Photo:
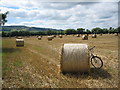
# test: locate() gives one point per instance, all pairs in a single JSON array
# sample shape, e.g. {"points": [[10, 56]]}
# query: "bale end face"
{"points": [[75, 58], [77, 35], [84, 37], [50, 38], [60, 36], [94, 36], [39, 38]]}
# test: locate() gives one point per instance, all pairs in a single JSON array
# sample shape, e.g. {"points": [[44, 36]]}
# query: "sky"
{"points": [[61, 15]]}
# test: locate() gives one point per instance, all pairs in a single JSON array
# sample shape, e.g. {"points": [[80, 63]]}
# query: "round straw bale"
{"points": [[60, 36], [116, 34], [50, 38], [94, 36], [78, 35], [84, 37], [19, 42], [101, 34], [75, 58], [39, 37], [54, 36], [19, 37]]}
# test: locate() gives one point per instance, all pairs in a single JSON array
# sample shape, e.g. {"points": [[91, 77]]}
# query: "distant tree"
{"points": [[80, 30], [88, 31], [51, 32], [118, 29], [3, 17], [97, 30], [70, 31], [105, 30]]}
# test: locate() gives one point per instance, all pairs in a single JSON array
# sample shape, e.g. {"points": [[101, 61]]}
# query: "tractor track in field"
{"points": [[52, 60]]}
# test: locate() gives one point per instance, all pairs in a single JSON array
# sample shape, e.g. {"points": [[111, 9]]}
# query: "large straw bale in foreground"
{"points": [[75, 58], [19, 42]]}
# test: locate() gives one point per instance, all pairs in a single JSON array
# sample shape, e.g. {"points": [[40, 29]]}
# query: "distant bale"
{"points": [[94, 36], [39, 37], [116, 34], [50, 38], [74, 58], [54, 36], [65, 35], [16, 36], [101, 34], [60, 36], [78, 35], [19, 37], [19, 42], [84, 37]]}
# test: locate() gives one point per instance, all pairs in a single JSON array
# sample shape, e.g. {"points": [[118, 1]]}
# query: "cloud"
{"points": [[61, 15]]}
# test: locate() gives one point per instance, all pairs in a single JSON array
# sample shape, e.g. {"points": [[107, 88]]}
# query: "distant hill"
{"points": [[9, 28]]}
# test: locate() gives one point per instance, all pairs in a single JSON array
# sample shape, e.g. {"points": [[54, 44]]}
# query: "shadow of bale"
{"points": [[94, 73], [10, 50]]}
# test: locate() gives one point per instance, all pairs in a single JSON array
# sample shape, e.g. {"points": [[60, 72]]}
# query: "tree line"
{"points": [[96, 30]]}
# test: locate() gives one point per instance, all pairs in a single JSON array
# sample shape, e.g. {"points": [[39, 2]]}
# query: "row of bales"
{"points": [[74, 57], [84, 37], [20, 41], [50, 38], [70, 62]]}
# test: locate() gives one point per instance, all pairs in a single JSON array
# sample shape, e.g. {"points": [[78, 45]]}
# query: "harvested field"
{"points": [[37, 64]]}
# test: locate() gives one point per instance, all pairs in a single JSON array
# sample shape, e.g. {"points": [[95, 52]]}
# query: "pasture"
{"points": [[37, 64]]}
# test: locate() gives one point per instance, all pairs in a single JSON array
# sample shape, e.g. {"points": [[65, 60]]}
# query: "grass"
{"points": [[18, 63], [38, 61]]}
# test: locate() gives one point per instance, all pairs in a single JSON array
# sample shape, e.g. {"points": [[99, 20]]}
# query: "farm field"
{"points": [[37, 64]]}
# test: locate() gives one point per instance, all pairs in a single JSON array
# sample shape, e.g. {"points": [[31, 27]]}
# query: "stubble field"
{"points": [[37, 64]]}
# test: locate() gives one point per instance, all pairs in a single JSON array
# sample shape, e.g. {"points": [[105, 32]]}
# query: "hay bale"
{"points": [[50, 38], [75, 58], [39, 37], [19, 37], [78, 35], [101, 34], [54, 36], [84, 37], [94, 36], [60, 36], [19, 42], [65, 35], [116, 34]]}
